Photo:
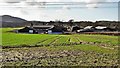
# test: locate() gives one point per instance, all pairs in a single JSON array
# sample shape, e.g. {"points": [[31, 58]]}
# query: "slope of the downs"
{"points": [[10, 21]]}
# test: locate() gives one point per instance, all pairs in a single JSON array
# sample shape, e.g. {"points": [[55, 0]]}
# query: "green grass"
{"points": [[9, 39], [49, 41], [88, 48], [113, 40], [14, 39], [73, 39], [63, 39]]}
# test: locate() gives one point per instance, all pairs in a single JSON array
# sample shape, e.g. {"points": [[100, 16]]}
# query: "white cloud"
{"points": [[89, 3], [11, 1], [93, 3], [47, 0], [32, 12], [1, 1], [62, 14]]}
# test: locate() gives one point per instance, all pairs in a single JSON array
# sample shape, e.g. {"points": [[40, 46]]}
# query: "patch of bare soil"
{"points": [[38, 56]]}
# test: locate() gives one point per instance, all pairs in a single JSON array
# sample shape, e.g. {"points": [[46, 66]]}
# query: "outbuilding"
{"points": [[28, 30], [48, 29]]}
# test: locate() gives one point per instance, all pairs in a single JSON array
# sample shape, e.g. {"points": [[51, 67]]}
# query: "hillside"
{"points": [[10, 21]]}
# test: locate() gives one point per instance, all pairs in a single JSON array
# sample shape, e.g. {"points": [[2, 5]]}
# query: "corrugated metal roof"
{"points": [[100, 27]]}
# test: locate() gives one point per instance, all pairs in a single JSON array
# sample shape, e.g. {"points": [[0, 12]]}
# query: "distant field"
{"points": [[92, 47]]}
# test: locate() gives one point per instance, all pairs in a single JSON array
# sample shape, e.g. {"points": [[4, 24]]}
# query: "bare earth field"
{"points": [[44, 56]]}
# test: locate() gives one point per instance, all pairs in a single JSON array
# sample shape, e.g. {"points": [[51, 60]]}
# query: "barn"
{"points": [[27, 30], [88, 29], [48, 29], [58, 29], [96, 29], [35, 29], [75, 28]]}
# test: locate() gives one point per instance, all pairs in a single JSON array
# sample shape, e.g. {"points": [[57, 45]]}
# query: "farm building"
{"points": [[104, 29], [75, 28], [35, 29], [49, 29], [27, 30], [42, 29], [58, 29], [96, 29], [87, 29]]}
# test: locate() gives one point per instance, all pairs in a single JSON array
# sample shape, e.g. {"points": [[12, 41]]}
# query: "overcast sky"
{"points": [[91, 10]]}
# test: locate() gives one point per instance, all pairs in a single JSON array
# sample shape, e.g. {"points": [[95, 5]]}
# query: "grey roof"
{"points": [[43, 25]]}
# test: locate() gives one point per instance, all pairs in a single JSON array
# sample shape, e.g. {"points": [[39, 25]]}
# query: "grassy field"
{"points": [[95, 50], [14, 39]]}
